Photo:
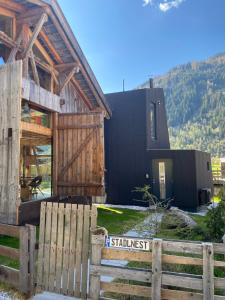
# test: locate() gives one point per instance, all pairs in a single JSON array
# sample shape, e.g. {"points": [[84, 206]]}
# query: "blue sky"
{"points": [[135, 39]]}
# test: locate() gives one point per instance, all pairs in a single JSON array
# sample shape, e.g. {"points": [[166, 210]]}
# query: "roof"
{"points": [[64, 41]]}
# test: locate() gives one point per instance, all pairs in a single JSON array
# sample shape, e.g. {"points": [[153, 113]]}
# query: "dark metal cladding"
{"points": [[134, 150]]}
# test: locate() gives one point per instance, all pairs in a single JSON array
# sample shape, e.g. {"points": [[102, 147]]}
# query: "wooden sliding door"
{"points": [[10, 114], [79, 162]]}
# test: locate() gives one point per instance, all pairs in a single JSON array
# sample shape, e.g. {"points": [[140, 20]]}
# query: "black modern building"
{"points": [[138, 153]]}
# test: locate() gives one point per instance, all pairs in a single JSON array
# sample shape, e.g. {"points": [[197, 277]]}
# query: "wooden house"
{"points": [[52, 110]]}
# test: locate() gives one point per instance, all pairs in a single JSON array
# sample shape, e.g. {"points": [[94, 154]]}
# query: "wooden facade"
{"points": [[49, 96]]}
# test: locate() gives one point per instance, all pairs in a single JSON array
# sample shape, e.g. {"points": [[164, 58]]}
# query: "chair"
{"points": [[35, 185]]}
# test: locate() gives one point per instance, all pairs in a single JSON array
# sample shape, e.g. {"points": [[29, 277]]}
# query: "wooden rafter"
{"points": [[34, 68], [44, 36], [14, 50], [35, 33], [69, 77], [63, 66]]}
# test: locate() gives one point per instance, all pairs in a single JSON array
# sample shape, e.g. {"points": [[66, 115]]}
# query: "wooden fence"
{"points": [[24, 278], [156, 281], [64, 248]]}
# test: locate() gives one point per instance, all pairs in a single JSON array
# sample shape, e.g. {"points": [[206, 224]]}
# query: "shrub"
{"points": [[215, 220]]}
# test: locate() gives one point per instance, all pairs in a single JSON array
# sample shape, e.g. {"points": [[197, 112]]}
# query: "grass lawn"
{"points": [[119, 220]]}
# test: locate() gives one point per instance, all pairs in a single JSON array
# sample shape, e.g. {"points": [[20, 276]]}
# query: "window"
{"points": [[208, 166], [35, 116], [153, 127], [6, 25]]}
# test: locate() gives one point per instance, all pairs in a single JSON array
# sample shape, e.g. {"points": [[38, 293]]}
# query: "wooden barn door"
{"points": [[79, 154], [10, 115]]}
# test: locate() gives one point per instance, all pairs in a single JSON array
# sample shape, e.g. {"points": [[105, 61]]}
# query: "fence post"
{"points": [[24, 260], [97, 243], [208, 271], [156, 269], [32, 257], [224, 242]]}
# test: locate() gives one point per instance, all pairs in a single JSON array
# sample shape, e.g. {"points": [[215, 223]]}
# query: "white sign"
{"points": [[127, 243]]}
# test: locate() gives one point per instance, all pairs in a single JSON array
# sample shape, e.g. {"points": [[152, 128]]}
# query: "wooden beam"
{"points": [[36, 129], [12, 5], [63, 67], [68, 78], [81, 93], [34, 36], [30, 16], [34, 68], [6, 40], [14, 51]]}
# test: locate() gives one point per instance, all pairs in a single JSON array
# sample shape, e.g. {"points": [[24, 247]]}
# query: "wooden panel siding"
{"points": [[79, 158], [10, 111], [44, 98]]}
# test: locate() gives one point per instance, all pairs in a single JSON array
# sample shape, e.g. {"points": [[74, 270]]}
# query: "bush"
{"points": [[215, 220]]}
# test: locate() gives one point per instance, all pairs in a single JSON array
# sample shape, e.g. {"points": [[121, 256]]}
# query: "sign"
{"points": [[127, 243]]}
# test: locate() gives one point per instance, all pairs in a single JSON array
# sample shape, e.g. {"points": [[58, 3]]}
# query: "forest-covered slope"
{"points": [[195, 102]]}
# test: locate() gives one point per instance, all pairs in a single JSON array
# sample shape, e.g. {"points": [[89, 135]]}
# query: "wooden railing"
{"points": [[156, 281], [22, 279]]}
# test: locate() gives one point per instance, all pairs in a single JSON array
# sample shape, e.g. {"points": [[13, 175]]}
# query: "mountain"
{"points": [[195, 103]]}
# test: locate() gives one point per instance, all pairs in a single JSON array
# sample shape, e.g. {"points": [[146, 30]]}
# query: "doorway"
{"points": [[162, 175]]}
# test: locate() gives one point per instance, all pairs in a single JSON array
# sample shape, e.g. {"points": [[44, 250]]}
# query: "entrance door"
{"points": [[162, 178], [79, 162]]}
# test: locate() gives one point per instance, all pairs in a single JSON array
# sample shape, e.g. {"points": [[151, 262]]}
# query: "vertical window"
{"points": [[153, 127]]}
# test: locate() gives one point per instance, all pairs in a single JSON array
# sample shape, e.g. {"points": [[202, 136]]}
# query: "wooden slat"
{"points": [[47, 245], [156, 269], [66, 249], [85, 251], [9, 252], [52, 269], [32, 258], [59, 248], [79, 237], [182, 281], [24, 259], [94, 216], [41, 246], [122, 273], [72, 252], [10, 276], [9, 230]]}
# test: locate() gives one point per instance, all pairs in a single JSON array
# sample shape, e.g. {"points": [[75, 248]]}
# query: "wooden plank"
{"points": [[53, 248], [117, 254], [9, 230], [32, 258], [182, 247], [94, 217], [10, 276], [208, 271], [79, 237], [40, 267], [47, 244], [79, 126], [66, 249], [34, 36], [182, 281], [72, 252], [156, 269], [126, 289], [24, 260], [14, 50], [85, 251], [36, 129], [122, 273], [9, 252], [59, 256]]}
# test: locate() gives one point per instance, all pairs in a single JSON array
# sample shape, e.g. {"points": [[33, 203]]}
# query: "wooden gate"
{"points": [[64, 248], [79, 154]]}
